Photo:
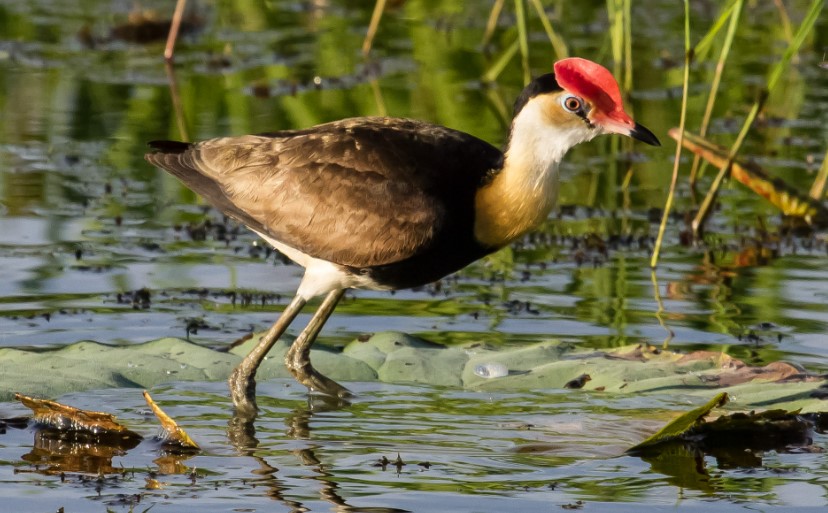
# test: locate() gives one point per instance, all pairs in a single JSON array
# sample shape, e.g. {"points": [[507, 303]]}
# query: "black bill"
{"points": [[644, 135]]}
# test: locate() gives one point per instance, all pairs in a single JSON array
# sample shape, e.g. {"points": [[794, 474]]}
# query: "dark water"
{"points": [[84, 222]]}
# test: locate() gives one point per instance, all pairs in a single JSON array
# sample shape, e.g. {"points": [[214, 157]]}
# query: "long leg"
{"points": [[243, 379], [297, 358]]}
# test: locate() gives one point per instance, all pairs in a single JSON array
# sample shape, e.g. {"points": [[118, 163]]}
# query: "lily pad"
{"points": [[401, 358]]}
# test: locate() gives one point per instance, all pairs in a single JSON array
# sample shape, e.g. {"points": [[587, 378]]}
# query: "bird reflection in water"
{"points": [[242, 434]]}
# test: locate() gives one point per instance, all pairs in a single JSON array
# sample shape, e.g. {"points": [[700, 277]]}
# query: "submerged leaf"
{"points": [[682, 424], [787, 199], [175, 437]]}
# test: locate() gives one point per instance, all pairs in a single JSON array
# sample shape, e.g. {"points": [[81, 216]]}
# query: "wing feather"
{"points": [[361, 192]]}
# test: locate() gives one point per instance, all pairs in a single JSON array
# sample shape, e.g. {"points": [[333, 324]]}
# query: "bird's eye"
{"points": [[572, 103]]}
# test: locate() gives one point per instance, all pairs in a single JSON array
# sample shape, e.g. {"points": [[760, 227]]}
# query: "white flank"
{"points": [[321, 276]]}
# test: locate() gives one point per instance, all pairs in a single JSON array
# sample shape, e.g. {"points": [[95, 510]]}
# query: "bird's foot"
{"points": [[317, 382], [243, 392]]}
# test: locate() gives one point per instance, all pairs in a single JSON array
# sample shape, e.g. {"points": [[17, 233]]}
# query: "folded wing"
{"points": [[361, 192]]}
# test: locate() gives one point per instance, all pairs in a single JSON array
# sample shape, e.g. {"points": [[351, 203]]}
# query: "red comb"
{"points": [[593, 82]]}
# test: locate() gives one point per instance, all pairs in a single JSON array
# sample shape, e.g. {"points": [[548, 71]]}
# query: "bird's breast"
{"points": [[514, 202]]}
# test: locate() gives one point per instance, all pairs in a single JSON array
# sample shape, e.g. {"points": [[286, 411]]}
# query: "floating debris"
{"points": [[578, 382], [175, 438], [153, 484], [69, 439], [681, 425], [67, 418]]}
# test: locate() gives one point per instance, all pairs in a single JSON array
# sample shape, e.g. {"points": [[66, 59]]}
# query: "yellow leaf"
{"points": [[175, 436]]}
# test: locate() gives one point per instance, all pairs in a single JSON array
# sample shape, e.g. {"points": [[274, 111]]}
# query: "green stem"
{"points": [[491, 24], [706, 42], [628, 68], [717, 78], [776, 74], [500, 64], [687, 56], [557, 42], [523, 39]]}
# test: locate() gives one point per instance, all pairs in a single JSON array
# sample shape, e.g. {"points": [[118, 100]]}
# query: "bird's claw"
{"points": [[317, 382], [322, 384]]}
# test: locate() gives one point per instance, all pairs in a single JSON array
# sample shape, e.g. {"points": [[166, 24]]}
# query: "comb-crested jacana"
{"points": [[387, 203]]}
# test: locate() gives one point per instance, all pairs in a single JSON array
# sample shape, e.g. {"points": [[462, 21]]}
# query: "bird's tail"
{"points": [[183, 161]]}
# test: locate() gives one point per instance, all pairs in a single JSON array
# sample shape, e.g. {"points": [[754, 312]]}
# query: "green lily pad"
{"points": [[401, 358]]}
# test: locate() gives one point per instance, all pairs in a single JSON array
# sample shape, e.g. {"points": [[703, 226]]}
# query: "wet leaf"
{"points": [[729, 436], [396, 357], [67, 418], [771, 429], [153, 484], [69, 439], [682, 424], [175, 438], [786, 198]]}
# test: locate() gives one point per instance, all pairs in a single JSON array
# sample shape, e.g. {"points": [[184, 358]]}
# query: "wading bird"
{"points": [[387, 203]]}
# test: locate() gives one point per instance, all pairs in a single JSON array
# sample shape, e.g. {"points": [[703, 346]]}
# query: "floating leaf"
{"points": [[175, 438], [728, 436], [69, 439], [784, 197], [67, 418], [771, 429], [153, 484], [682, 424]]}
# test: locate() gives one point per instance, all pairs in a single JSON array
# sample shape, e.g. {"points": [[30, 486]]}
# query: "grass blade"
{"points": [[804, 29], [706, 42], [523, 39], [683, 119], [615, 14], [628, 45], [818, 188], [500, 64], [557, 42], [491, 24], [376, 16], [735, 13]]}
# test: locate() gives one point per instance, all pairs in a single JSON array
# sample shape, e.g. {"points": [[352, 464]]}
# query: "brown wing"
{"points": [[360, 192]]}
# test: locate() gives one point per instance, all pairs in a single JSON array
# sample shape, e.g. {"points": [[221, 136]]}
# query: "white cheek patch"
{"points": [[540, 143]]}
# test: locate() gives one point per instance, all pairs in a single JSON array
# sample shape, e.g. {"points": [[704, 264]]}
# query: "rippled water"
{"points": [[461, 451], [85, 223]]}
